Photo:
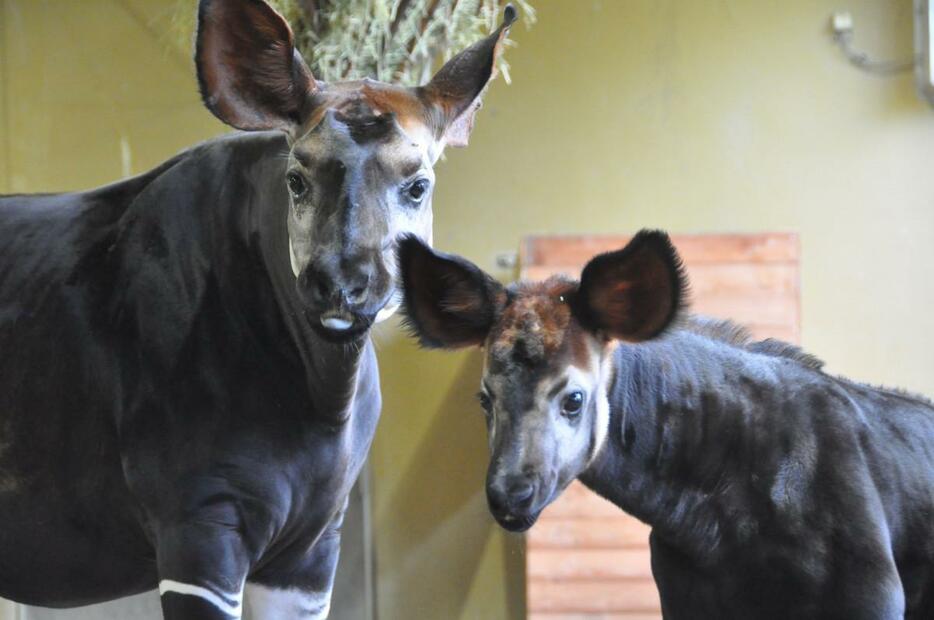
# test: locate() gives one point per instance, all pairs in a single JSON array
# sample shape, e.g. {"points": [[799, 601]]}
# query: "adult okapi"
{"points": [[187, 387], [773, 489]]}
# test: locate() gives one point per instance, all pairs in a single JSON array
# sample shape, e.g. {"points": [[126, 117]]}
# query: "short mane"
{"points": [[738, 336]]}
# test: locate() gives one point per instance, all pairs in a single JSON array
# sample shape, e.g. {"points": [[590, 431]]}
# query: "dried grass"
{"points": [[398, 41]]}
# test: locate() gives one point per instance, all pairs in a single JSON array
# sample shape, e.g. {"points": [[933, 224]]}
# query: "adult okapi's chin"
{"points": [[187, 391], [774, 490]]}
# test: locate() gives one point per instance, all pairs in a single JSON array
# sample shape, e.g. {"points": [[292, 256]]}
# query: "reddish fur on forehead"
{"points": [[402, 102], [537, 325], [369, 98]]}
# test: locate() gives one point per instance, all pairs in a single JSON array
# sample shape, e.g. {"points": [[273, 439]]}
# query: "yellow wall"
{"points": [[690, 115], [93, 91]]}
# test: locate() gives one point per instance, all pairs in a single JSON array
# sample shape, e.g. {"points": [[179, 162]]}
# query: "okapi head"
{"points": [[359, 171], [547, 355]]}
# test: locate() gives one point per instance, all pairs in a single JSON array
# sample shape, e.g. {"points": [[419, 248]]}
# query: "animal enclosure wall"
{"points": [[587, 560]]}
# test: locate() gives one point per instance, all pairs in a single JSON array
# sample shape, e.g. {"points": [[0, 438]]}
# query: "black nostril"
{"points": [[520, 494], [357, 293]]}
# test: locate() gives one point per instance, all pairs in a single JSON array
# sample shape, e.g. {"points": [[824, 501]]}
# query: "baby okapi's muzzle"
{"points": [[512, 501]]}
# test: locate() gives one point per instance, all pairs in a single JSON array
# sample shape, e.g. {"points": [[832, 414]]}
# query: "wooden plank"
{"points": [[765, 317], [771, 309], [743, 278], [588, 564], [593, 596], [709, 279], [573, 250], [578, 501], [710, 296], [774, 316], [619, 531]]}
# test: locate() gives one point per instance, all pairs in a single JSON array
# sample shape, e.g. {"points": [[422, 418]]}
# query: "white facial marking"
{"points": [[602, 423], [296, 268], [386, 312], [230, 604], [264, 603], [594, 384]]}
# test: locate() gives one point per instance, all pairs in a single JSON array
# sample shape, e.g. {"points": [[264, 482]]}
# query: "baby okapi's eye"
{"points": [[485, 401], [417, 189], [296, 183], [572, 404]]}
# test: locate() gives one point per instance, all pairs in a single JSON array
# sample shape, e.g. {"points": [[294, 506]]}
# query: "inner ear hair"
{"points": [[249, 73], [455, 91], [635, 293]]}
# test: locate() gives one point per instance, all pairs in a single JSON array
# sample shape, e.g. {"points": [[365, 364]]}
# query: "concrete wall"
{"points": [[690, 115]]}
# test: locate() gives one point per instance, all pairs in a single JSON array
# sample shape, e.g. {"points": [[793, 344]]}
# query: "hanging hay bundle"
{"points": [[398, 41]]}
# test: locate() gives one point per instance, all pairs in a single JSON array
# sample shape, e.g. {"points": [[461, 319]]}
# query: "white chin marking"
{"points": [[336, 323], [296, 268], [386, 312], [230, 604]]}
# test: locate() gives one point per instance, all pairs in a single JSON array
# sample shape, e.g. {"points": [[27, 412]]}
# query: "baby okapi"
{"points": [[773, 489]]}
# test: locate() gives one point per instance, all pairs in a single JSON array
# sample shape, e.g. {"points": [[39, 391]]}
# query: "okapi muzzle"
{"points": [[345, 293], [519, 482], [546, 345]]}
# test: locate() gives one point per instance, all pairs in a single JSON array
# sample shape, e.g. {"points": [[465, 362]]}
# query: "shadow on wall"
{"points": [[439, 502]]}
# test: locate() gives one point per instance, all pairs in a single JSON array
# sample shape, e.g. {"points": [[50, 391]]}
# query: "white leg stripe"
{"points": [[221, 601], [266, 603]]}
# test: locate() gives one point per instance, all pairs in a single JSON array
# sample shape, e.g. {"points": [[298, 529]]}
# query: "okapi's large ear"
{"points": [[449, 302], [250, 74], [454, 92], [635, 293]]}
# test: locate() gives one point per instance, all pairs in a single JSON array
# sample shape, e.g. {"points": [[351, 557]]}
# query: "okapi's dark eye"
{"points": [[296, 184], [485, 401], [416, 191], [572, 404]]}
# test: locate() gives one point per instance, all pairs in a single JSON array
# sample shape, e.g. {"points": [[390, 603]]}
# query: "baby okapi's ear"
{"points": [[454, 92], [449, 302], [249, 72], [632, 294]]}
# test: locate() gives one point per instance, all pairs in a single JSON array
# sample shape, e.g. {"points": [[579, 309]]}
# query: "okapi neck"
{"points": [[679, 431], [333, 372]]}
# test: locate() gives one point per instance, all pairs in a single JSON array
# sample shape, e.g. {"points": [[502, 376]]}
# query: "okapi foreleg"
{"points": [[300, 592], [202, 569]]}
